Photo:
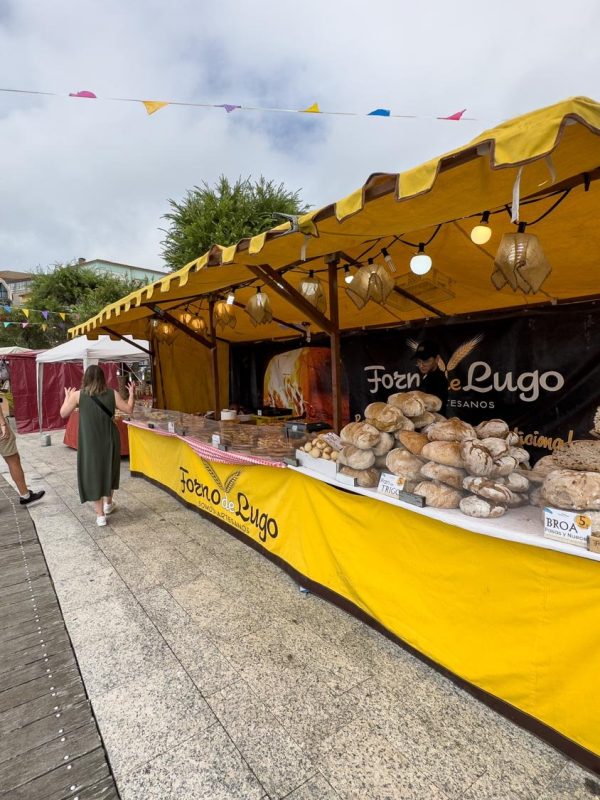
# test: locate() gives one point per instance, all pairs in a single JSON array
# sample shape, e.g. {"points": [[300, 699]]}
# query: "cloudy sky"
{"points": [[93, 178]]}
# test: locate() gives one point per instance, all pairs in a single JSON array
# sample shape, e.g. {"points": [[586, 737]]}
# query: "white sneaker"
{"points": [[109, 508], [101, 522]]}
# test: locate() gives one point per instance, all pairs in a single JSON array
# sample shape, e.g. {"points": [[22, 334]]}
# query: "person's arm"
{"points": [[4, 429], [70, 402], [126, 406]]}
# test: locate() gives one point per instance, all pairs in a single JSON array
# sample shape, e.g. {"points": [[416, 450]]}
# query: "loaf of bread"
{"points": [[414, 442], [409, 405], [474, 506], [380, 462], [451, 430], [366, 478], [384, 445], [491, 490], [423, 420], [492, 427], [443, 453], [438, 495], [503, 466], [512, 439], [452, 476], [352, 456], [520, 455], [361, 434], [496, 447], [516, 481], [477, 458], [582, 455], [384, 417], [430, 401], [403, 463], [573, 490]]}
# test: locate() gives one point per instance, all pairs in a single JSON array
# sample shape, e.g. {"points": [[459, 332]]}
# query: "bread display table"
{"points": [[72, 433], [513, 615]]}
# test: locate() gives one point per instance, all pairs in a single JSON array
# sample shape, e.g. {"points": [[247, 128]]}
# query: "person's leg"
{"points": [[99, 507], [16, 473]]}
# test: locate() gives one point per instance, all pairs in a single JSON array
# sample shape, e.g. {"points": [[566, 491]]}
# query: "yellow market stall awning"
{"points": [[543, 158]]}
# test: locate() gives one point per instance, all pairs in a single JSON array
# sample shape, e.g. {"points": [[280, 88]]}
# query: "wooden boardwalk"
{"points": [[49, 743]]}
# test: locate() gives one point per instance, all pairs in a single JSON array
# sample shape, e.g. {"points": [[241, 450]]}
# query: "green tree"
{"points": [[223, 214], [75, 290]]}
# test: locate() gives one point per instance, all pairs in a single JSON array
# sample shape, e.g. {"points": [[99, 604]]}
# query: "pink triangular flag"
{"points": [[456, 116], [85, 93], [24, 324]]}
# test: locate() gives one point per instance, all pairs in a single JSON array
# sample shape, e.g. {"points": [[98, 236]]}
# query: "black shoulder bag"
{"points": [[101, 405]]}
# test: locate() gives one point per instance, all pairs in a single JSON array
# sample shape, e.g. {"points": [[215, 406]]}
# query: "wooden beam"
{"points": [[164, 315], [279, 284], [214, 357], [125, 339], [334, 336]]}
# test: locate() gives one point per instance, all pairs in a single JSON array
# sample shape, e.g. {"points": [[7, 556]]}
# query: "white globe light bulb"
{"points": [[420, 263], [481, 234]]}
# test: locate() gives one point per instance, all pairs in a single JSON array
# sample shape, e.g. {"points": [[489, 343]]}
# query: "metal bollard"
{"points": [[46, 440]]}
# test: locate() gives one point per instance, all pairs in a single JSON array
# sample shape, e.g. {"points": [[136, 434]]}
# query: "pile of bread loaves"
{"points": [[319, 448], [447, 461], [570, 479]]}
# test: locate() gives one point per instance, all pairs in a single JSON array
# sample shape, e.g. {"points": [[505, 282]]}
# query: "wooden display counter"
{"points": [[508, 614]]}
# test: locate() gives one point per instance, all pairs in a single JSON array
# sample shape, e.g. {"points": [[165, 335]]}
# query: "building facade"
{"points": [[14, 287], [142, 274]]}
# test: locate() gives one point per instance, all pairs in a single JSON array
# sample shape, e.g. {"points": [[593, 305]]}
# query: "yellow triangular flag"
{"points": [[62, 315], [26, 312], [314, 109], [153, 105], [44, 326]]}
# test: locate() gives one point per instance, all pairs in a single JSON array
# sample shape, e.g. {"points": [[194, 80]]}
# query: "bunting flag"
{"points": [[62, 315], [153, 105], [8, 309], [44, 326], [6, 324], [24, 324], [45, 314], [26, 312]]}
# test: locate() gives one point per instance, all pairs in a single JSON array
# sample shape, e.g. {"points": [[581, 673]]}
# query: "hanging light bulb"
{"points": [[482, 233], [231, 298], [348, 276], [258, 308], [224, 315], [420, 263], [198, 324], [388, 260], [311, 289]]}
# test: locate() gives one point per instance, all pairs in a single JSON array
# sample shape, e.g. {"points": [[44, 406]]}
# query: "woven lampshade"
{"points": [[224, 315], [371, 282], [185, 317], [165, 332], [258, 308], [312, 290], [197, 324], [520, 262]]}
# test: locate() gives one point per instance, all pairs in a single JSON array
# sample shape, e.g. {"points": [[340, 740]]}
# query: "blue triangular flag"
{"points": [[8, 309], [379, 112]]}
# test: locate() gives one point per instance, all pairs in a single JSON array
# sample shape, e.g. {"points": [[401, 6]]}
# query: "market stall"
{"points": [[452, 559]]}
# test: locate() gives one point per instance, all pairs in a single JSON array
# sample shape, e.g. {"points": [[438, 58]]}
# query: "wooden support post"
{"points": [[214, 357], [334, 336], [164, 315]]}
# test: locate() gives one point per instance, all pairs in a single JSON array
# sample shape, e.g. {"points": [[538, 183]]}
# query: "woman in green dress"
{"points": [[98, 447]]}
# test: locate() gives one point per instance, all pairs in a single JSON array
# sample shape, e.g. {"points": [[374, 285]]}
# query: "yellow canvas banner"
{"points": [[515, 620]]}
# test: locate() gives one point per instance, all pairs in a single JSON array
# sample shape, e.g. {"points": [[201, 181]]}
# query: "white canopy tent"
{"points": [[90, 351]]}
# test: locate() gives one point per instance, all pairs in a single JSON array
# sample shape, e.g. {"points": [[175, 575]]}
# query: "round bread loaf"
{"points": [[443, 453], [519, 454], [451, 430], [582, 455], [452, 476], [492, 427], [384, 445], [361, 434], [413, 441], [352, 456], [512, 439], [438, 495], [409, 405], [430, 401], [384, 417], [477, 458], [474, 506], [496, 447], [572, 489], [503, 466], [516, 481], [491, 490], [403, 463], [423, 420], [366, 478]]}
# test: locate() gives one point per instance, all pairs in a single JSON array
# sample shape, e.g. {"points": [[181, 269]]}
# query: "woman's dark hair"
{"points": [[94, 380]]}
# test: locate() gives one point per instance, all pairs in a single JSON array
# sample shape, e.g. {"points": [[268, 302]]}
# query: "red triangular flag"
{"points": [[455, 116]]}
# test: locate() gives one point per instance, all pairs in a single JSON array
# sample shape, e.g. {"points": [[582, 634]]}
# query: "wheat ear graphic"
{"points": [[230, 482], [462, 352], [209, 468], [413, 344]]}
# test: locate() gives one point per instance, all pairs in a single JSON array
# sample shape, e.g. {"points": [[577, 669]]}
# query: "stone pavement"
{"points": [[212, 677]]}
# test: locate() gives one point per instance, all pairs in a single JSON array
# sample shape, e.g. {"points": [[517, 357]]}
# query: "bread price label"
{"points": [[567, 526], [390, 485], [171, 427], [333, 440]]}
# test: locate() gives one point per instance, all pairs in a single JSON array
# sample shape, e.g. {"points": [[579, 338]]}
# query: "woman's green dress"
{"points": [[98, 447]]}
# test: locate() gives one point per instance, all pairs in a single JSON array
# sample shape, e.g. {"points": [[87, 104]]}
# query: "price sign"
{"points": [[390, 485], [567, 526], [333, 440], [171, 427], [216, 439]]}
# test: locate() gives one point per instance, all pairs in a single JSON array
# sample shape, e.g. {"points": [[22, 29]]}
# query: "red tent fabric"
{"points": [[57, 377]]}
